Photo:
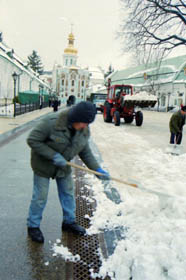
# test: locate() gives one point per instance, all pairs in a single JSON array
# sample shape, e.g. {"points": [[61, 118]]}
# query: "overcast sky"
{"points": [[44, 25]]}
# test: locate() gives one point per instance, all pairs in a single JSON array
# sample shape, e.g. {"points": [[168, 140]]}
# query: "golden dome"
{"points": [[70, 49], [71, 36]]}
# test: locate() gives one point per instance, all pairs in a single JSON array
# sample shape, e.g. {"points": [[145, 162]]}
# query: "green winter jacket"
{"points": [[51, 136], [177, 122]]}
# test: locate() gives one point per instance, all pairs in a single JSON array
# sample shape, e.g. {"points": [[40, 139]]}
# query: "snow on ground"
{"points": [[59, 249], [155, 243]]}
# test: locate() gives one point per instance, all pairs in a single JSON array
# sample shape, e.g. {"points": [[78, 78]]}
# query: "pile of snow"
{"points": [[154, 246], [59, 249], [142, 95], [155, 241]]}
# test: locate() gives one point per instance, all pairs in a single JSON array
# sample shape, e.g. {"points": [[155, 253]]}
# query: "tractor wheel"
{"points": [[139, 118], [116, 118], [129, 119], [106, 113]]}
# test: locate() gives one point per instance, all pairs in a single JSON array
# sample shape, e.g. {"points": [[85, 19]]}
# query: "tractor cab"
{"points": [[117, 92]]}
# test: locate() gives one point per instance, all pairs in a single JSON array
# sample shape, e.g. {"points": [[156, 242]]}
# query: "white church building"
{"points": [[70, 79]]}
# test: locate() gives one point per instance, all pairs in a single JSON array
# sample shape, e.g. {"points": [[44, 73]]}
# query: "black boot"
{"points": [[74, 227], [36, 234]]}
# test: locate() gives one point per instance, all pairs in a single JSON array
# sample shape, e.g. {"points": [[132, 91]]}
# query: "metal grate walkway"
{"points": [[86, 246]]}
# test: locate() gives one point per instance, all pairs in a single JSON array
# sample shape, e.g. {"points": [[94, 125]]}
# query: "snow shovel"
{"points": [[139, 186], [99, 174]]}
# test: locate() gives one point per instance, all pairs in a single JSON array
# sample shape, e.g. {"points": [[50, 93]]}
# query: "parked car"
{"points": [[98, 99]]}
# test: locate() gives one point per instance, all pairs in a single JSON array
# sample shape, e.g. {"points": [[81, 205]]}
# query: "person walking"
{"points": [[40, 101], [176, 124], [71, 100], [58, 138], [49, 102], [55, 104]]}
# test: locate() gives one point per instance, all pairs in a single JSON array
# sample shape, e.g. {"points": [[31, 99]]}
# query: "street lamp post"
{"points": [[158, 101], [41, 96], [168, 101], [14, 76]]}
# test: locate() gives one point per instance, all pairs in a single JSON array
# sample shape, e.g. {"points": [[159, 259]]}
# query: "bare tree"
{"points": [[153, 27]]}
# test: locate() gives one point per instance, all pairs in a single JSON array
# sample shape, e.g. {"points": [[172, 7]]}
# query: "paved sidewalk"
{"points": [[7, 124]]}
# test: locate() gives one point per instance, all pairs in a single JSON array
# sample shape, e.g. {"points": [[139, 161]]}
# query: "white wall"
{"points": [[24, 81]]}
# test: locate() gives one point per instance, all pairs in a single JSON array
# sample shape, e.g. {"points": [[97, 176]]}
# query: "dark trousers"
{"points": [[176, 138], [55, 108]]}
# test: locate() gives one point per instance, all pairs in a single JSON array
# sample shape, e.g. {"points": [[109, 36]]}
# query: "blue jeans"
{"points": [[39, 199]]}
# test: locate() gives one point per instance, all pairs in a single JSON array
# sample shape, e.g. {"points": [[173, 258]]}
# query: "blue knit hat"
{"points": [[84, 112]]}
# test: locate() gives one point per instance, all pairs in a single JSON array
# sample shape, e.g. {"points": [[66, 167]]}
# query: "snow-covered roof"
{"points": [[16, 60], [96, 73], [170, 70]]}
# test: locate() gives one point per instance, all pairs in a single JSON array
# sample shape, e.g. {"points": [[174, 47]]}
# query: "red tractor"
{"points": [[118, 106]]}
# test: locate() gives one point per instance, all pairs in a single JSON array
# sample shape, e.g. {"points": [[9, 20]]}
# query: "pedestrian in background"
{"points": [[49, 102], [71, 100], [55, 105], [40, 101], [176, 124], [55, 140]]}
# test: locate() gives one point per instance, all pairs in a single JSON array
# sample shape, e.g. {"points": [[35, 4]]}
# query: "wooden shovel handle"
{"points": [[99, 174]]}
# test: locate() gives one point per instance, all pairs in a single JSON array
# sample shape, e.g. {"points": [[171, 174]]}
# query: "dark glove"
{"points": [[59, 160], [106, 175]]}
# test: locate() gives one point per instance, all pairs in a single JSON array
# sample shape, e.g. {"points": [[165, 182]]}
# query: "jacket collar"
{"points": [[62, 120]]}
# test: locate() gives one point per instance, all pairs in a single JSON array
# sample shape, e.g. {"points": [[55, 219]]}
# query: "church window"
{"points": [[73, 76], [72, 82], [71, 61], [63, 82], [82, 83]]}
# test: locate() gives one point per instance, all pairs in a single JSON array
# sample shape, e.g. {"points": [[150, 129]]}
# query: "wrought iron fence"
{"points": [[8, 108]]}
